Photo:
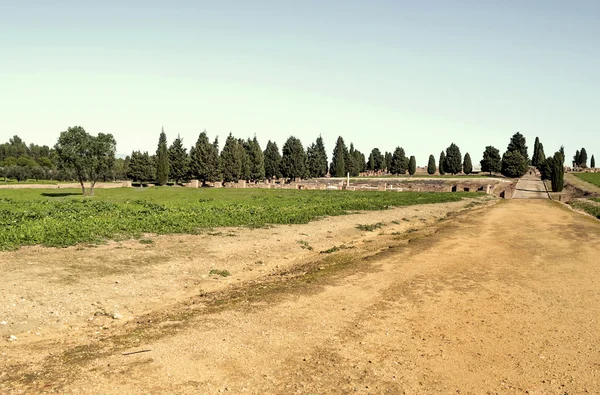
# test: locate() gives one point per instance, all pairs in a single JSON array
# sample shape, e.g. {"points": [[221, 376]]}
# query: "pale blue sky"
{"points": [[380, 73]]}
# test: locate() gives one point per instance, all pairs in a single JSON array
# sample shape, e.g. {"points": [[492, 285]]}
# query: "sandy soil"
{"points": [[502, 299]]}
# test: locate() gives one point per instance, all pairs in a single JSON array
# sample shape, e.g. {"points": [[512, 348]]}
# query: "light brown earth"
{"points": [[501, 299]]}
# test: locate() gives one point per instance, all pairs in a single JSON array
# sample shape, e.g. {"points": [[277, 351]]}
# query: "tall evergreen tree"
{"points": [[388, 161], [399, 163], [555, 166], [453, 162], [232, 158], [378, 159], [243, 148], [467, 164], [317, 159], [412, 165], [442, 163], [178, 160], [519, 144], [371, 162], [256, 159], [141, 167], [353, 163], [535, 159], [338, 159], [513, 164], [583, 158], [541, 156], [293, 160], [491, 162], [576, 159], [431, 168], [593, 162], [204, 160], [272, 161], [162, 160]]}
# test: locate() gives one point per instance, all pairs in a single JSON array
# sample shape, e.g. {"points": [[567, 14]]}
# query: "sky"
{"points": [[380, 73]]}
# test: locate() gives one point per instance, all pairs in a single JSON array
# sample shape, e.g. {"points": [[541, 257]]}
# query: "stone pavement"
{"points": [[530, 186]]}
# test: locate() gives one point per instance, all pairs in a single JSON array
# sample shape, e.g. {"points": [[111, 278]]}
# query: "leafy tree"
{"points": [[179, 161], [431, 168], [232, 160], [317, 159], [293, 160], [162, 160], [388, 161], [38, 173], [467, 164], [412, 166], [378, 159], [453, 162], [338, 160], [90, 157], [272, 161], [442, 163], [519, 144], [256, 160], [593, 162], [513, 164], [399, 163], [491, 161], [141, 167], [204, 160]]}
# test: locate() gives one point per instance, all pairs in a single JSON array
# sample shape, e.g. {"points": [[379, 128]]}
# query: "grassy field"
{"points": [[425, 176], [14, 181], [63, 217], [592, 178]]}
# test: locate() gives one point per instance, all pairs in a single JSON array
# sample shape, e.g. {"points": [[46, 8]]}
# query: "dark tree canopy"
{"points": [[141, 167], [90, 157], [204, 160], [412, 165], [453, 162], [256, 160], [162, 160], [272, 161], [232, 160], [538, 153], [179, 161], [556, 170], [491, 162], [431, 168], [317, 159], [442, 163], [513, 164], [580, 159], [467, 164], [356, 161], [376, 160], [293, 159], [519, 144], [339, 159], [399, 164], [593, 162], [387, 159]]}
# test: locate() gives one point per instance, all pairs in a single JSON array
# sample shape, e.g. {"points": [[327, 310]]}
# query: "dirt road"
{"points": [[505, 299]]}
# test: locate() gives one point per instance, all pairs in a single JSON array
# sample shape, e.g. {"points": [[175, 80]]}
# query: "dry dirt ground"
{"points": [[502, 298]]}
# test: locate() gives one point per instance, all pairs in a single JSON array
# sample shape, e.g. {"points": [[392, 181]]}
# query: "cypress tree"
{"points": [[442, 163], [519, 144], [178, 160], [593, 162], [388, 161], [431, 165], [535, 159], [272, 161], [141, 167], [583, 158], [467, 165], [412, 166], [293, 160], [557, 171], [491, 161], [513, 164], [204, 160], [541, 155], [162, 160], [352, 165], [399, 163], [256, 159], [453, 162], [242, 149], [576, 159], [371, 162], [317, 159], [232, 158], [338, 159]]}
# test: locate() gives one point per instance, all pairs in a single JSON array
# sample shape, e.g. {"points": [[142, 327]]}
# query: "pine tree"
{"points": [[371, 162], [491, 162], [412, 166], [453, 162], [593, 162], [519, 144], [242, 151], [513, 164], [378, 159], [442, 163], [583, 158], [338, 159], [557, 171], [541, 155], [204, 160], [141, 167], [317, 159], [256, 160], [272, 161], [178, 161], [431, 168], [399, 163], [232, 158], [352, 165], [293, 160], [467, 164], [388, 161], [576, 159], [162, 160]]}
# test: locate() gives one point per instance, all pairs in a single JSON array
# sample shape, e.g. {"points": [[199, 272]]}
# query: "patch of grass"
{"points": [[588, 207], [371, 227], [146, 241], [43, 217], [304, 245], [396, 222], [222, 273], [592, 178]]}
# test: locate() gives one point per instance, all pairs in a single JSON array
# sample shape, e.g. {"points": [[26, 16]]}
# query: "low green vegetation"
{"points": [[222, 273], [63, 217], [592, 178], [589, 207], [371, 227]]}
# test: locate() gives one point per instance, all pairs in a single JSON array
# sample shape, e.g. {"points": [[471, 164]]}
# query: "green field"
{"points": [[62, 217], [592, 178]]}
